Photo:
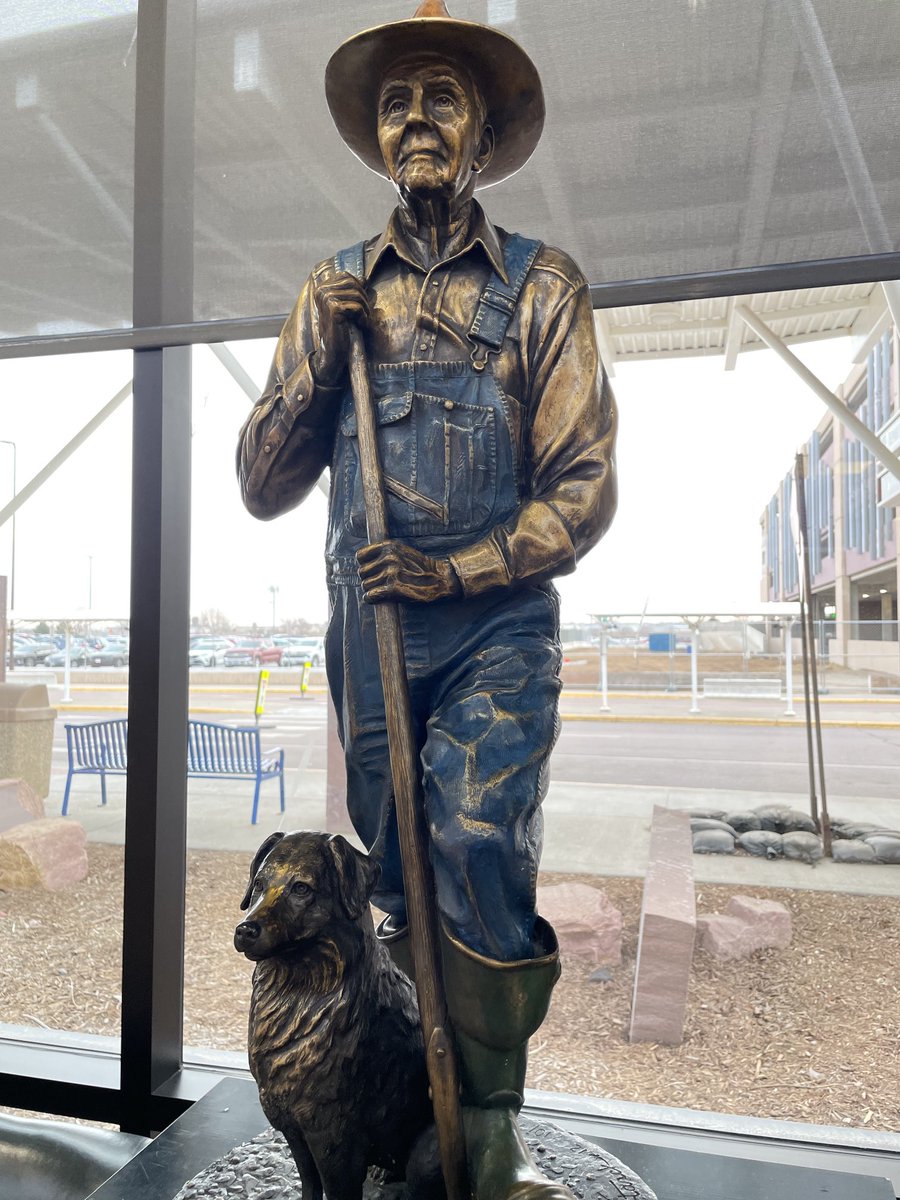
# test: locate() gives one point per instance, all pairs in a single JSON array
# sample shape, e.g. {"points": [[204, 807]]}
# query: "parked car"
{"points": [[79, 654], [253, 652], [28, 653], [113, 653], [308, 649], [208, 651]]}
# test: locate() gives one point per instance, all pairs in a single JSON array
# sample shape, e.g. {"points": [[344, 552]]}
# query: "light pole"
{"points": [[12, 568], [274, 590]]}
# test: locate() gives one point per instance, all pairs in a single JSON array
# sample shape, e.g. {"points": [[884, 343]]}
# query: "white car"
{"points": [[208, 652], [301, 650]]}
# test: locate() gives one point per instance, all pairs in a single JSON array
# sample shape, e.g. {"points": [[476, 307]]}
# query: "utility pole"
{"points": [[274, 590]]}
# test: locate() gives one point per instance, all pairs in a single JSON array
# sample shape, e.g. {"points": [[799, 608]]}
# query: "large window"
{"points": [[731, 149], [65, 556]]}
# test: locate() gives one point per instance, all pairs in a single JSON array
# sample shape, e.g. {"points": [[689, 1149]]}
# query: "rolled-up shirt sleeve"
{"points": [[287, 440], [571, 434]]}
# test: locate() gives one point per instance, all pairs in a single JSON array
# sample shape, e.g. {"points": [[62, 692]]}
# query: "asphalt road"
{"points": [[860, 762]]}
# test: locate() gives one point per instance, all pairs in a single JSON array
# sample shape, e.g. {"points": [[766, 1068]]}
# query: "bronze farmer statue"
{"points": [[495, 430]]}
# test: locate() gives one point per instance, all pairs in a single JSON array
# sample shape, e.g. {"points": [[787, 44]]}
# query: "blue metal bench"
{"points": [[214, 751]]}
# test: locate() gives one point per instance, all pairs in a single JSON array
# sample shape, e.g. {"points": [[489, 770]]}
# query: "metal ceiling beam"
{"points": [[66, 453], [83, 170], [849, 420], [252, 390], [699, 325], [604, 342], [733, 337], [776, 80]]}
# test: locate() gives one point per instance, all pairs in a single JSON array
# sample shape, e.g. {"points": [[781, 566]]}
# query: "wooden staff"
{"points": [[440, 1052]]}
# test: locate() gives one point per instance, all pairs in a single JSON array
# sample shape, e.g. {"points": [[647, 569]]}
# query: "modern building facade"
{"points": [[854, 523]]}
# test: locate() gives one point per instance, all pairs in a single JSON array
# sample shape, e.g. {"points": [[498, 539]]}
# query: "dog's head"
{"points": [[301, 885]]}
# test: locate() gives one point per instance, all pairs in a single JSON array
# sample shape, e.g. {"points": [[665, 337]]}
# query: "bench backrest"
{"points": [[100, 744], [222, 748], [213, 748]]}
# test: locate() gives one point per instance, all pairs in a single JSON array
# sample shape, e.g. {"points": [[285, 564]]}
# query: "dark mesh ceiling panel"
{"points": [[66, 154], [691, 136]]}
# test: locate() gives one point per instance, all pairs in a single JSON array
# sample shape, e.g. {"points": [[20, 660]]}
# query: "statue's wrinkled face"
{"points": [[431, 129]]}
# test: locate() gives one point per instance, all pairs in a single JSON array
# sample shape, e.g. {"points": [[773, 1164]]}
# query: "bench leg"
{"points": [[65, 806], [281, 785], [255, 812], [102, 788]]}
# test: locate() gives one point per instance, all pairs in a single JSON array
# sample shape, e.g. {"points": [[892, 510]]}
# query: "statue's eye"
{"points": [[396, 106], [301, 889], [443, 101]]}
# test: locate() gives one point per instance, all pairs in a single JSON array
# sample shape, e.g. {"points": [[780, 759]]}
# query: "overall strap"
{"points": [[499, 299], [352, 260]]}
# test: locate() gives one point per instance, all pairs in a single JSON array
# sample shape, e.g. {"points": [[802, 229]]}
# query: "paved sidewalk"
{"points": [[589, 828]]}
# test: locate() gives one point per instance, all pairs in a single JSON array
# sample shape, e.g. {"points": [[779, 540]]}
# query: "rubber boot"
{"points": [[396, 941], [494, 1008]]}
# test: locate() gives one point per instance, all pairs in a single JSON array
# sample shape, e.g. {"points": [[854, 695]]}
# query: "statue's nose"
{"points": [[246, 932]]}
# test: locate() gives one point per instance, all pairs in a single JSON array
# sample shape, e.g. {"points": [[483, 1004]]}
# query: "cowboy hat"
{"points": [[505, 75]]}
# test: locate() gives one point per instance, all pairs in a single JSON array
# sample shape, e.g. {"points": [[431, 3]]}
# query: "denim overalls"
{"points": [[483, 672]]}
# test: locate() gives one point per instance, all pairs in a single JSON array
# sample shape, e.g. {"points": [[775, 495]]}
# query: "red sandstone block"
{"points": [[668, 925], [770, 920], [19, 802], [49, 853], [747, 925], [586, 922]]}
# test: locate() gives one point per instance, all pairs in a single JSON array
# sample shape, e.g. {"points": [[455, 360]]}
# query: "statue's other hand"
{"points": [[394, 571], [341, 301]]}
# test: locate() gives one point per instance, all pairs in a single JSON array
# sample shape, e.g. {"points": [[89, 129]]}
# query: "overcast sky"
{"points": [[700, 453]]}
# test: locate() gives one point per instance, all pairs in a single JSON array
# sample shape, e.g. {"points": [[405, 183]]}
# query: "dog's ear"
{"points": [[357, 875], [272, 840]]}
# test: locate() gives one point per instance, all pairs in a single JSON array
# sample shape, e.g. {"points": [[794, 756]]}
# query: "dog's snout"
{"points": [[246, 933]]}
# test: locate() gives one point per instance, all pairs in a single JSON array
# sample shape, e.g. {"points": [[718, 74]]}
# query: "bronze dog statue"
{"points": [[335, 1043]]}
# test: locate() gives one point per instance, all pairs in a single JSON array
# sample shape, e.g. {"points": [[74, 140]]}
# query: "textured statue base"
{"points": [[263, 1169]]}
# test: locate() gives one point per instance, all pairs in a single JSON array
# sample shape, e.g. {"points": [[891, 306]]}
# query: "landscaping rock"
{"points": [[852, 850], [762, 842], [747, 925], [743, 822], [49, 853], [803, 846], [770, 920], [713, 841], [585, 921], [19, 802], [887, 849], [713, 814]]}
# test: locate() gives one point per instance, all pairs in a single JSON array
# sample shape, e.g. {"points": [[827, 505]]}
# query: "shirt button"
{"points": [[267, 448], [448, 404], [423, 345], [300, 397], [435, 282]]}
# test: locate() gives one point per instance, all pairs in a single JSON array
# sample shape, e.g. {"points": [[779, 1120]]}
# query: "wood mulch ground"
{"points": [[810, 1034]]}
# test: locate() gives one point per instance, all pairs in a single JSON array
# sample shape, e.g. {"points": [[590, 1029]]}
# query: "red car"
{"points": [[253, 652]]}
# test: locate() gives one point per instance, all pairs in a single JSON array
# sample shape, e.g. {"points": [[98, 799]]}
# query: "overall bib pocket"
{"points": [[439, 459]]}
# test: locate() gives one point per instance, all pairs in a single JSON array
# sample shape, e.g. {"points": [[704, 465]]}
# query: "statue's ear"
{"points": [[272, 840], [356, 874], [485, 151]]}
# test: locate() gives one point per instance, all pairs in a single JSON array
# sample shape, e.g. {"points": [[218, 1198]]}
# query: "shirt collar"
{"points": [[482, 233]]}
